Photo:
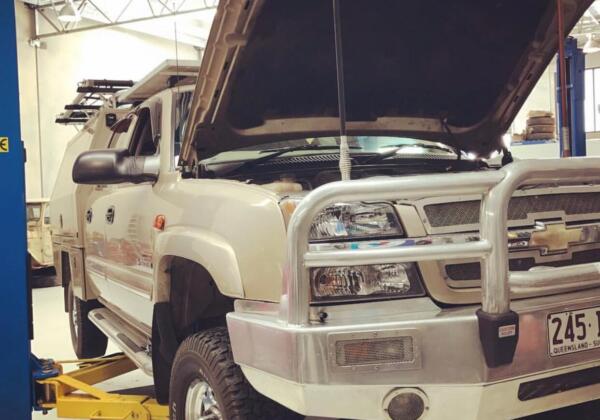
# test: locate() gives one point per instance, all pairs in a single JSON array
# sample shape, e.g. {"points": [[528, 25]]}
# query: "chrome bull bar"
{"points": [[498, 325]]}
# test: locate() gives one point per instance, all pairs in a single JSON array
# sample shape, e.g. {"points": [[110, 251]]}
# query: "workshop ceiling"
{"points": [[590, 22], [192, 18]]}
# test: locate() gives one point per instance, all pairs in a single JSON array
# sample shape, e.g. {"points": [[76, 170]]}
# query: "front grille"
{"points": [[559, 383], [472, 271], [374, 351], [467, 212]]}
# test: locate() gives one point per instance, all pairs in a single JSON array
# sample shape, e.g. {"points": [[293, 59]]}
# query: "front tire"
{"points": [[88, 341], [207, 384]]}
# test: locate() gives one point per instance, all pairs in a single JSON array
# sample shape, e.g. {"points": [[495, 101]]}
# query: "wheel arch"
{"points": [[208, 250], [188, 269]]}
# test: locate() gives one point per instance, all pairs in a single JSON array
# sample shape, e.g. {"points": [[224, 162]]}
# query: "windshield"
{"points": [[359, 145]]}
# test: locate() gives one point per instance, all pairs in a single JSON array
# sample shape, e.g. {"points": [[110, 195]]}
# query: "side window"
{"points": [[122, 132], [143, 141]]}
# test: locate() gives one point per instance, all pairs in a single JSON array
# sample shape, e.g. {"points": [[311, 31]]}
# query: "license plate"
{"points": [[573, 331]]}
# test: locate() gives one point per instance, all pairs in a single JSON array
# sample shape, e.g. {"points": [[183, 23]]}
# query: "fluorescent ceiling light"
{"points": [[69, 13]]}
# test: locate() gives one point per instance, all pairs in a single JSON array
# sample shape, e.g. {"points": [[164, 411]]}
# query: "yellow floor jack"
{"points": [[74, 395]]}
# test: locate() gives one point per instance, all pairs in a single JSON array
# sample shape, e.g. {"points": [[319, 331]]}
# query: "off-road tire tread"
{"points": [[91, 342], [239, 401]]}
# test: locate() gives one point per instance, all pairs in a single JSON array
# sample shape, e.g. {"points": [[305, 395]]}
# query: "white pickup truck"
{"points": [[216, 245]]}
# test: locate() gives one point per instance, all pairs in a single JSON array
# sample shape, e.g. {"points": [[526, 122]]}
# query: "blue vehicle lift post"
{"points": [[15, 381], [575, 67], [28, 382]]}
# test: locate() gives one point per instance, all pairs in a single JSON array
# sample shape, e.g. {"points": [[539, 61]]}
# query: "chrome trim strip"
{"points": [[476, 249], [556, 279]]}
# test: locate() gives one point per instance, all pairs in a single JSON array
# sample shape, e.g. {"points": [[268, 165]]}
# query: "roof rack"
{"points": [[91, 95], [168, 74]]}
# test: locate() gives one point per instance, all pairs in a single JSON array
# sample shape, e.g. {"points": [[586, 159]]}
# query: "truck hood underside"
{"points": [[269, 70]]}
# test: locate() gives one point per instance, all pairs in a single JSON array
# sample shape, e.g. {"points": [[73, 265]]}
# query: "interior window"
{"points": [[34, 212], [143, 142], [122, 132], [47, 214]]}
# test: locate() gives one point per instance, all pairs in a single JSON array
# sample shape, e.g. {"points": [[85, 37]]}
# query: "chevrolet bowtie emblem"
{"points": [[555, 236]]}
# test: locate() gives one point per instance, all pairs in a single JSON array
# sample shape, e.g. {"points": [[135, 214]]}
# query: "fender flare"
{"points": [[203, 247]]}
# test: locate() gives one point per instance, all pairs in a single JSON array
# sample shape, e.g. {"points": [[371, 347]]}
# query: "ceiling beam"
{"points": [[48, 5], [112, 24]]}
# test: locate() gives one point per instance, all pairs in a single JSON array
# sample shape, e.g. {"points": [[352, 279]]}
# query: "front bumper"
{"points": [[296, 364]]}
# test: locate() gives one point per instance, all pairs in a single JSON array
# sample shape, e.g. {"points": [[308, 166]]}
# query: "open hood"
{"points": [[269, 70]]}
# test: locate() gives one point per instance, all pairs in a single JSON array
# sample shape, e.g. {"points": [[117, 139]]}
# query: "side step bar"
{"points": [[128, 339]]}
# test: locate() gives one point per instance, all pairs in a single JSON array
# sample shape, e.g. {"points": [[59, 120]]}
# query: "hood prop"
{"points": [[345, 163]]}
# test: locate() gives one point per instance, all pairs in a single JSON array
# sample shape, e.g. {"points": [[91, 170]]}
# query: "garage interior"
{"points": [[73, 57]]}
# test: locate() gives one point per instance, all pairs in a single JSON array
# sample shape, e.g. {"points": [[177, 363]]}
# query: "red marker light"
{"points": [[159, 222]]}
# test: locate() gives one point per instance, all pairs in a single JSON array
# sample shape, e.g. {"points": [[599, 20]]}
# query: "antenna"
{"points": [[345, 163], [175, 163], [176, 44]]}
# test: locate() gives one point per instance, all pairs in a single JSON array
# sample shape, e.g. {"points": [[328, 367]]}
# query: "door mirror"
{"points": [[114, 166]]}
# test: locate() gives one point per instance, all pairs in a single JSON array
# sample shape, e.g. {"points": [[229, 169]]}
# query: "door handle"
{"points": [[110, 215], [88, 216]]}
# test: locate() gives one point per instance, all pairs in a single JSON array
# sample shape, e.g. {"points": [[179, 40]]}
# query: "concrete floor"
{"points": [[52, 340]]}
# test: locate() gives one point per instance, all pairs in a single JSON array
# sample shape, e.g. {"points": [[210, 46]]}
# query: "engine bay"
{"points": [[310, 172]]}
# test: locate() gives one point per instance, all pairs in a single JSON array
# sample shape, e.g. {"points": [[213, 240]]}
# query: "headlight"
{"points": [[357, 220], [365, 282]]}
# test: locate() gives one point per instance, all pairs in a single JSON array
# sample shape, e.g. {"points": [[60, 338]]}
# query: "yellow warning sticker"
{"points": [[3, 144]]}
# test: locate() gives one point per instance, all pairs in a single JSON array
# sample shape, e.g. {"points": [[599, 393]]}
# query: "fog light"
{"points": [[405, 404]]}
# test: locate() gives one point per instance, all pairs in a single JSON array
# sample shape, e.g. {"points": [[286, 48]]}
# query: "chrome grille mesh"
{"points": [[467, 212], [374, 351]]}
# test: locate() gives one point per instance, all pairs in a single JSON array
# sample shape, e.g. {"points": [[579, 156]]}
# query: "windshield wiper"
{"points": [[251, 163], [398, 148]]}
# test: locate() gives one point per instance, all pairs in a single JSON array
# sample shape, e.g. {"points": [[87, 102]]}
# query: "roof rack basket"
{"points": [[91, 95]]}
